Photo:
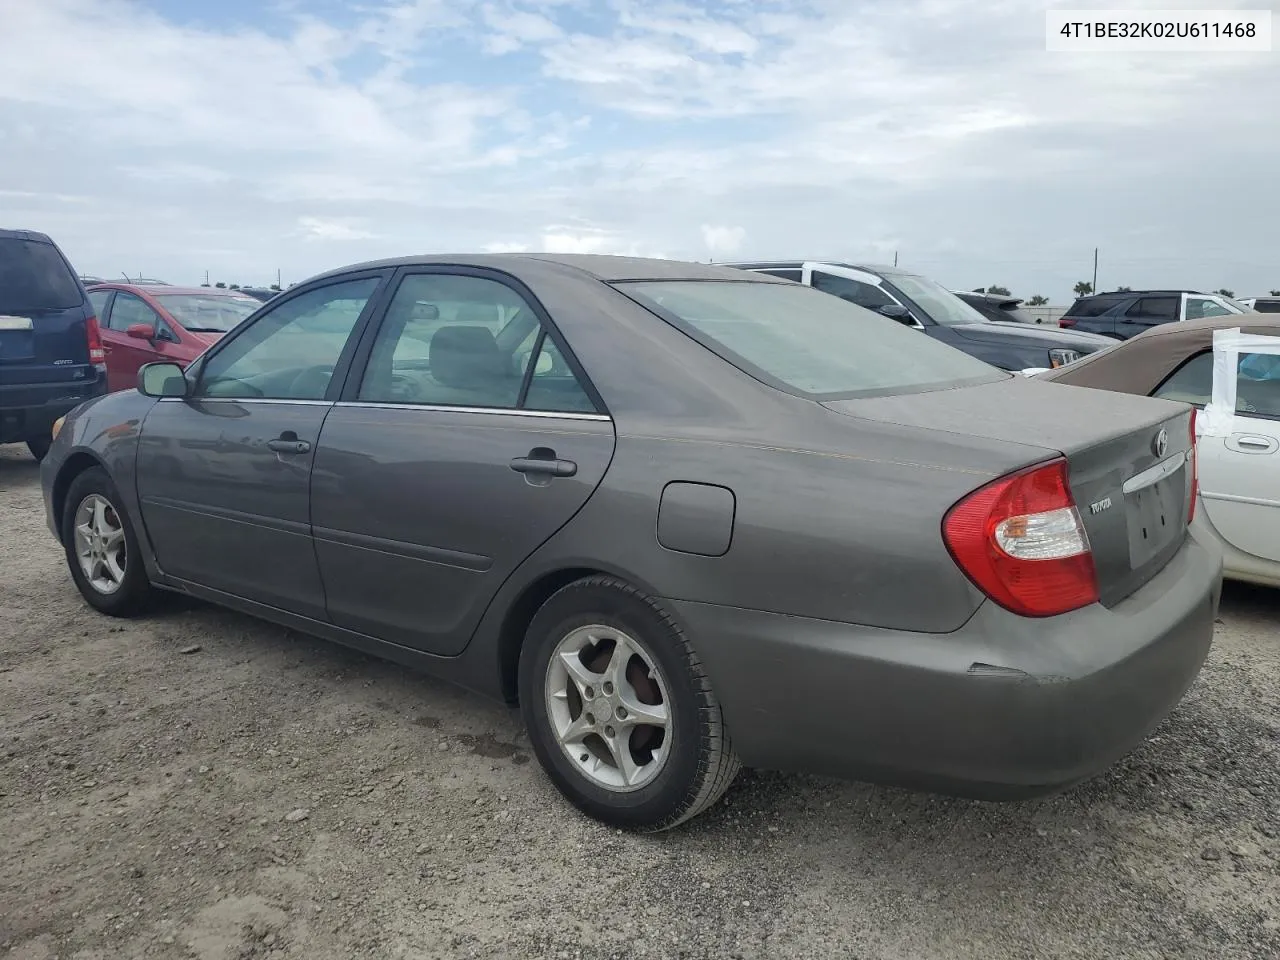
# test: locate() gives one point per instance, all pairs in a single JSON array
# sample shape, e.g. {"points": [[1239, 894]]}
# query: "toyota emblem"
{"points": [[1160, 445]]}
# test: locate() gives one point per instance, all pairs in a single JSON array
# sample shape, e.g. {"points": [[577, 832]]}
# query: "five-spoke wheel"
{"points": [[619, 711]]}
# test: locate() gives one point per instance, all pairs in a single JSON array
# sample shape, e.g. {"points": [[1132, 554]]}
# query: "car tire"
{"points": [[39, 446], [621, 770], [103, 554]]}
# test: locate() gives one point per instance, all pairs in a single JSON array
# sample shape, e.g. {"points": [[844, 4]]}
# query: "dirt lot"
{"points": [[200, 784]]}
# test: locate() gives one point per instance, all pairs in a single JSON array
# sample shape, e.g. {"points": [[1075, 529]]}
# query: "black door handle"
{"points": [[544, 465], [288, 446]]}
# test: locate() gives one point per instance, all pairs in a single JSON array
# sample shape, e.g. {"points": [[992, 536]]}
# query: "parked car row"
{"points": [[1123, 314], [930, 308], [689, 517]]}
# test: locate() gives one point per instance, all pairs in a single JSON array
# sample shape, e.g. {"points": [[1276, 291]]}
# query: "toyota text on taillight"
{"points": [[1021, 541]]}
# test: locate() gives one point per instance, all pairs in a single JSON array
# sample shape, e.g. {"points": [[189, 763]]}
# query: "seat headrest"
{"points": [[465, 356]]}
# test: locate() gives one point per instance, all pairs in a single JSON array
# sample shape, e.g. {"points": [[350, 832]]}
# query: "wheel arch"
{"points": [[72, 467], [521, 611]]}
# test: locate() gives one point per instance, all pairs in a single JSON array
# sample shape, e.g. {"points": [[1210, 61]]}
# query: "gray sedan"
{"points": [[688, 517]]}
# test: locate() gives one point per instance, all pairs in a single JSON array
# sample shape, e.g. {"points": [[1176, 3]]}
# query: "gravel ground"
{"points": [[200, 784]]}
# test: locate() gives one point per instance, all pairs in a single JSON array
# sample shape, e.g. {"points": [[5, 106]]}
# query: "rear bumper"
{"points": [[1005, 707], [29, 409]]}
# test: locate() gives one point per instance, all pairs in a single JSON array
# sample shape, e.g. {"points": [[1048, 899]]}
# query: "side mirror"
{"points": [[162, 380], [140, 331], [895, 311]]}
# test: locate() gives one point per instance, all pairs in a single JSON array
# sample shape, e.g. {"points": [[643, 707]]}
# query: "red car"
{"points": [[145, 322]]}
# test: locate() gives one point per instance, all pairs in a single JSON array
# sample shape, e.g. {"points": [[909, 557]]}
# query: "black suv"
{"points": [[928, 306], [1122, 314], [51, 357]]}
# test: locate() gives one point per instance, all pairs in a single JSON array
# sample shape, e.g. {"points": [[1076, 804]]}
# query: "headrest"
{"points": [[465, 356]]}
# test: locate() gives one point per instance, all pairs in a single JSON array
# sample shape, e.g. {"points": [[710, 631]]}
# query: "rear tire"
{"points": [[101, 547], [39, 446], [619, 710]]}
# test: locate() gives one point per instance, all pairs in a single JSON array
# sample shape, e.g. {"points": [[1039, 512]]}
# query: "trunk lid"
{"points": [[1131, 492]]}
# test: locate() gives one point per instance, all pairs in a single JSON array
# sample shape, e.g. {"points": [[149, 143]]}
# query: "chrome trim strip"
{"points": [[506, 411], [1153, 475], [1232, 498], [262, 400]]}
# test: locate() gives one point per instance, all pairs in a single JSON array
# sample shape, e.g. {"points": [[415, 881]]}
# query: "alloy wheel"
{"points": [[100, 544], [608, 706]]}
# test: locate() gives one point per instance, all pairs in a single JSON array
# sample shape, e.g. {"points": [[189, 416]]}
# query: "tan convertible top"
{"points": [[1141, 364]]}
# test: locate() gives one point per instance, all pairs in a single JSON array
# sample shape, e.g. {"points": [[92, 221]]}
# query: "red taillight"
{"points": [[1066, 322], [1021, 541], [93, 336], [1193, 455]]}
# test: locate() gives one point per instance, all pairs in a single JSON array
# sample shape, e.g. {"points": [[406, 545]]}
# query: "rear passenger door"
{"points": [[465, 436], [1147, 312]]}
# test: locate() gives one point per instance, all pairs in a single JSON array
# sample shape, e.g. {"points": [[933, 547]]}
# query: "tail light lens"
{"points": [[1021, 541], [93, 335], [1066, 322], [1193, 455]]}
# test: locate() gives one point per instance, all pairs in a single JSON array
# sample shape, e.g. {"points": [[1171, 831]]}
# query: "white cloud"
{"points": [[940, 129], [319, 228], [723, 240]]}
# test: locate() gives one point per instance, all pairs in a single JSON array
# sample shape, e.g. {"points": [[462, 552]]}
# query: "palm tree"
{"points": [[999, 291], [1083, 288], [1225, 292], [1037, 301]]}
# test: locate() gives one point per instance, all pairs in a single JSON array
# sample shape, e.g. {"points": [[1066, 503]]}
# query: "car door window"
{"points": [[787, 274], [863, 294], [1198, 307], [553, 386], [98, 298], [450, 340], [1257, 383], [128, 310], [290, 352], [1156, 310]]}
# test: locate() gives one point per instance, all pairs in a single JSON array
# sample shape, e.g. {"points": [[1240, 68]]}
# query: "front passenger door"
{"points": [[224, 475], [468, 439]]}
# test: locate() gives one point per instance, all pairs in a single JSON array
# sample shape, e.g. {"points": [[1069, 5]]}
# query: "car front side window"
{"points": [[129, 310], [291, 351]]}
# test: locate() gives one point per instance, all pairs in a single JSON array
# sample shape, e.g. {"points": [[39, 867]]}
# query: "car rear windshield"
{"points": [[207, 313], [34, 277], [806, 341]]}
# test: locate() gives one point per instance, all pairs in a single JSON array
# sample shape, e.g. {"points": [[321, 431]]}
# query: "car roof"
{"points": [[1141, 364], [24, 235], [156, 290], [878, 268], [993, 298], [610, 269], [1135, 293]]}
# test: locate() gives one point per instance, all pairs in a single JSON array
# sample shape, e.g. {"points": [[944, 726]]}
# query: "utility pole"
{"points": [[1095, 269], [279, 285], [206, 278], [895, 258]]}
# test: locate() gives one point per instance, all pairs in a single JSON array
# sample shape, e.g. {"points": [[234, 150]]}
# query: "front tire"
{"points": [[101, 547], [618, 709]]}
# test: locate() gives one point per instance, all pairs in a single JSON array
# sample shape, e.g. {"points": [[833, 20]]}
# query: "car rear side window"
{"points": [[34, 277], [804, 341], [1156, 309], [451, 340]]}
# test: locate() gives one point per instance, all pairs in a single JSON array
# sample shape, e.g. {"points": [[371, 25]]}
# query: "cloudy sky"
{"points": [[173, 137]]}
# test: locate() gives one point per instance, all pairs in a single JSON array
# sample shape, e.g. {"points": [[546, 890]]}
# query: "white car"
{"points": [[1229, 367]]}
